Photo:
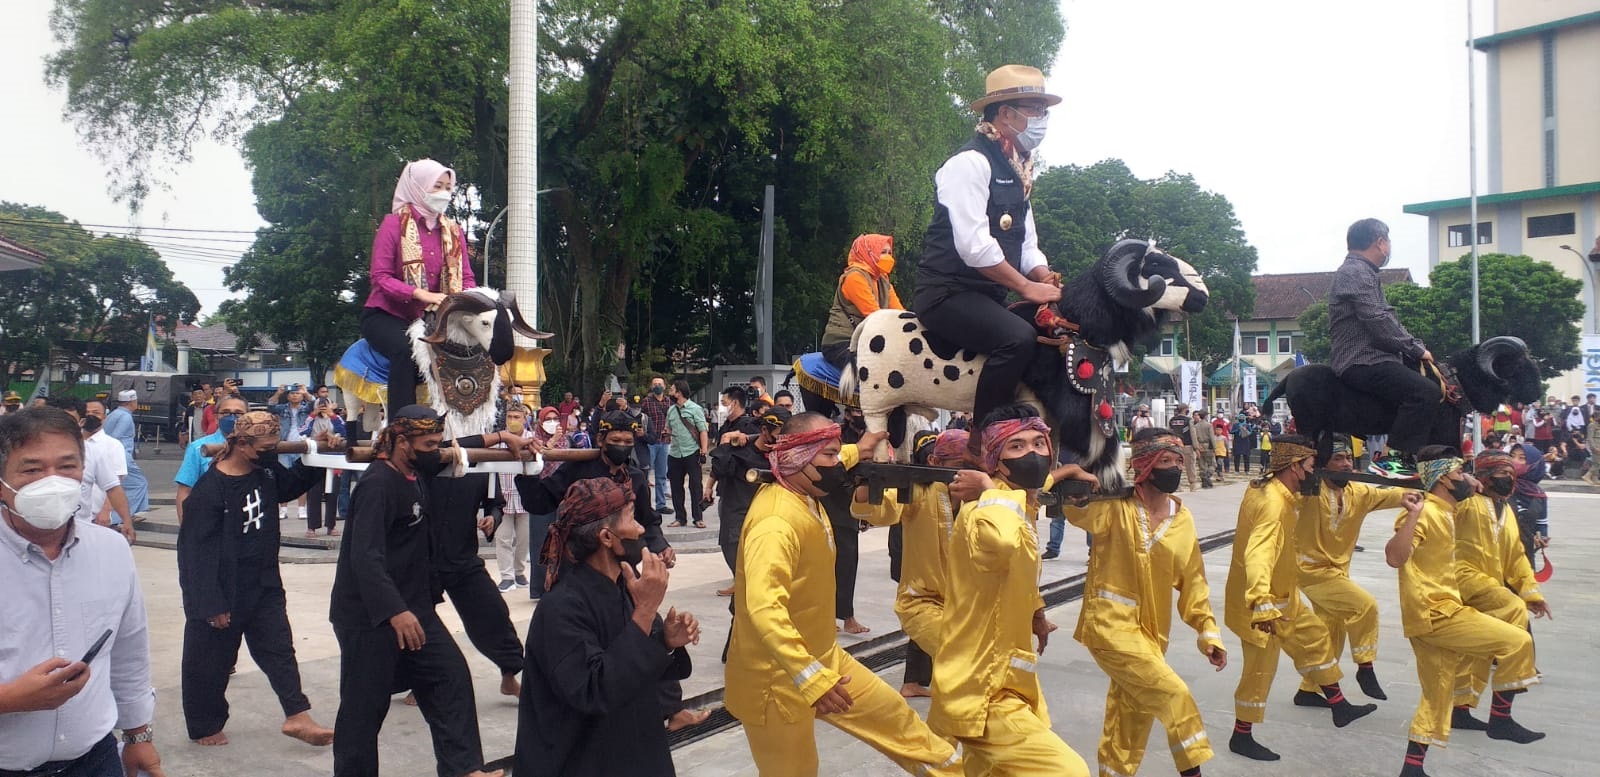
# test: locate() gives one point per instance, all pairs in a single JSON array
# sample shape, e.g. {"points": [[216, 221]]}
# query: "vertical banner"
{"points": [[1249, 395], [1591, 364], [1189, 391]]}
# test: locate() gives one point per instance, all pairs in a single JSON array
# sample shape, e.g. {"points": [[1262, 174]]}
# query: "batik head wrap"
{"points": [[1434, 470], [774, 418], [586, 501], [996, 434], [1285, 454], [1146, 451], [416, 180], [1341, 444], [1491, 460], [250, 427], [922, 445], [618, 421], [950, 450], [793, 454], [409, 421]]}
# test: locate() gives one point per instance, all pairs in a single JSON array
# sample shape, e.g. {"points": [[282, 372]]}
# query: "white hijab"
{"points": [[412, 189]]}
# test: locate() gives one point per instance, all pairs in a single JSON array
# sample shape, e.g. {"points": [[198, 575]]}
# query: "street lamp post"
{"points": [[1591, 273]]}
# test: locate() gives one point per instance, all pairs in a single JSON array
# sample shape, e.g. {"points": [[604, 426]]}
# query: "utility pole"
{"points": [[522, 216]]}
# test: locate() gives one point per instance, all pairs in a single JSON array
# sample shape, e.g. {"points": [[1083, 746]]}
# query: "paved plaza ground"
{"points": [[1074, 686]]}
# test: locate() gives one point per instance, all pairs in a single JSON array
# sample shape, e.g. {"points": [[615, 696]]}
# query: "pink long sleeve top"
{"points": [[390, 292]]}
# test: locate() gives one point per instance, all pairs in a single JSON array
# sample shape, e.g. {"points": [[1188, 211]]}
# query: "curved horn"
{"points": [[441, 320], [1119, 274], [519, 322], [1494, 347]]}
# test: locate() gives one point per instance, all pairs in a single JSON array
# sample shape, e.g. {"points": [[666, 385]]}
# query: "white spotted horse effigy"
{"points": [[1122, 299], [457, 349]]}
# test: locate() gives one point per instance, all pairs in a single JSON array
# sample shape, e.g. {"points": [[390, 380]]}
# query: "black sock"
{"points": [[1501, 726], [1245, 744], [1461, 719], [1195, 772], [1345, 713], [1334, 696], [1367, 678], [1415, 753]]}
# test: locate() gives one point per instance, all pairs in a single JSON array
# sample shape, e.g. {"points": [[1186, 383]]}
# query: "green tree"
{"points": [[95, 297], [1518, 296], [1081, 211], [1314, 332]]}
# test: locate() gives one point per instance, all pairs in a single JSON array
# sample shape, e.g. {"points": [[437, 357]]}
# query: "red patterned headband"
{"points": [[996, 434]]}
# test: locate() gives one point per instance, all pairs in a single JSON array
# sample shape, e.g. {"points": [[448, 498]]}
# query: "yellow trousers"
{"points": [[1302, 635], [1440, 654], [1472, 676], [1016, 743], [1345, 608], [879, 717], [1143, 689], [920, 618]]}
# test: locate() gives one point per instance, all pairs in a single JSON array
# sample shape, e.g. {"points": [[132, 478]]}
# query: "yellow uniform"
{"points": [[1494, 578], [926, 524], [1263, 586], [1325, 536], [985, 682], [1125, 622], [1444, 632]]}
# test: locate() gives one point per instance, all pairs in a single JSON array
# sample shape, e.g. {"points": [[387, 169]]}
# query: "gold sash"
{"points": [[412, 268]]}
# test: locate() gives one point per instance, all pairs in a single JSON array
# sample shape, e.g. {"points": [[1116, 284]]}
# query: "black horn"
{"points": [[1120, 276], [1494, 347], [508, 301]]}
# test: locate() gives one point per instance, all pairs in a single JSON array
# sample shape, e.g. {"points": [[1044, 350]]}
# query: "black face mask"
{"points": [[633, 551], [1166, 479], [1502, 484], [1027, 471], [427, 462], [617, 454], [1461, 490], [833, 480]]}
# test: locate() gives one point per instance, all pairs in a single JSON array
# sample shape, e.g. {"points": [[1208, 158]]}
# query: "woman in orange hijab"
{"points": [[863, 288]]}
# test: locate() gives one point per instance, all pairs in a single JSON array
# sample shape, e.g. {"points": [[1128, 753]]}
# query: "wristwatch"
{"points": [[147, 735]]}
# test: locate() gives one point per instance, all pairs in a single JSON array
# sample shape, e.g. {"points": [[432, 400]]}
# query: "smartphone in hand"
{"points": [[94, 650]]}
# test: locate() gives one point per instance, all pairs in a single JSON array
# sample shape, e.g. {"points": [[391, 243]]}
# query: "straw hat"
{"points": [[1013, 82]]}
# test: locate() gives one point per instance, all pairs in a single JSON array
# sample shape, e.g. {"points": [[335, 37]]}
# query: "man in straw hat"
{"points": [[1329, 525], [1146, 548], [982, 243], [1492, 572], [1263, 599], [232, 591], [785, 668], [598, 649], [1444, 631]]}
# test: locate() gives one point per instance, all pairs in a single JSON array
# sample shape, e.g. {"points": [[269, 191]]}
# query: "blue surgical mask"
{"points": [[1030, 138], [225, 424]]}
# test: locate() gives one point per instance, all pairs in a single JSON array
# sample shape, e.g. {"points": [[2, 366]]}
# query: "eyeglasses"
{"points": [[230, 412], [1031, 110]]}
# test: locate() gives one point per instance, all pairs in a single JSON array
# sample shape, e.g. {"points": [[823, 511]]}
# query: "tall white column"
{"points": [[522, 215]]}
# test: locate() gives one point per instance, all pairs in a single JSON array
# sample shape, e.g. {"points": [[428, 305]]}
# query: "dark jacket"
{"points": [[543, 495], [1362, 327], [589, 695]]}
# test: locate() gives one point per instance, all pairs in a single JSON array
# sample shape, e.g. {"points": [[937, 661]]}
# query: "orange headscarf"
{"points": [[868, 249]]}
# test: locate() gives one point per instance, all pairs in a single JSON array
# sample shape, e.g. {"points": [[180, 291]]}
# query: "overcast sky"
{"points": [[1306, 116]]}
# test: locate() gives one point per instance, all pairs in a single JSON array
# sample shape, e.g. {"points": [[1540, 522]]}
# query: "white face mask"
{"points": [[1031, 136], [47, 503], [722, 414], [550, 427], [438, 201]]}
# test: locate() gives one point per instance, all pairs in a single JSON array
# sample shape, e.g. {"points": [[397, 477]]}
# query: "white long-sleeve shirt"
{"points": [[58, 609], [962, 187]]}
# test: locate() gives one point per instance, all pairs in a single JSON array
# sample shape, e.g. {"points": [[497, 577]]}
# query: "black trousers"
{"points": [[730, 555], [1241, 456], [1530, 511], [485, 616], [847, 538], [372, 666], [1416, 398], [679, 469], [919, 665], [387, 335], [322, 508], [538, 530], [209, 655], [976, 322]]}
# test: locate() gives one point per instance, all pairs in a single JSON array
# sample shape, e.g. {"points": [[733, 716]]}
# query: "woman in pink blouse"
{"points": [[419, 257]]}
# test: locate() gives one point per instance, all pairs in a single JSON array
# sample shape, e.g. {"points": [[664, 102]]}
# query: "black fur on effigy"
{"points": [[1495, 372]]}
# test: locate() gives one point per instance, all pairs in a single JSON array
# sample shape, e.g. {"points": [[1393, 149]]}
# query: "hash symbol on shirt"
{"points": [[252, 511]]}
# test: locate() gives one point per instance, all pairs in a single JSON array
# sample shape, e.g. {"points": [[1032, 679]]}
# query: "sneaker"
{"points": [[1394, 468], [1049, 554], [522, 581], [506, 585]]}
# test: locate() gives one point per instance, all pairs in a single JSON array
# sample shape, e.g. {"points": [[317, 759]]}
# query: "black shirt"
{"points": [[589, 696], [228, 541], [728, 465], [1180, 426], [384, 557], [542, 495]]}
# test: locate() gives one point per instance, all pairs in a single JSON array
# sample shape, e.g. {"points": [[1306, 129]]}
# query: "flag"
{"points": [[1299, 359], [151, 361], [1238, 352], [42, 388]]}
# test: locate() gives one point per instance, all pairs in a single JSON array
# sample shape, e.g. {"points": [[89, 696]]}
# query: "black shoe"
{"points": [[1247, 746], [1506, 728], [1367, 678], [1347, 713], [1462, 720], [1310, 699], [522, 581], [1050, 554], [506, 585], [1360, 549], [664, 510]]}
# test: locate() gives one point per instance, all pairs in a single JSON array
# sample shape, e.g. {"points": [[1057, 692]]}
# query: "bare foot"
{"points": [[495, 773], [410, 700], [853, 626], [725, 591], [214, 740], [333, 532], [913, 691], [311, 534], [685, 718], [509, 685], [303, 728]]}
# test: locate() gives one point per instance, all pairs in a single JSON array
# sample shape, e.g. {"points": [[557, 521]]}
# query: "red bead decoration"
{"points": [[1105, 409], [1085, 370]]}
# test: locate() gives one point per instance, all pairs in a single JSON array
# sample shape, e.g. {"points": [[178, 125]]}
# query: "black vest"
{"points": [[941, 271]]}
